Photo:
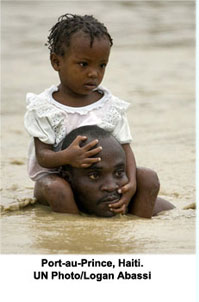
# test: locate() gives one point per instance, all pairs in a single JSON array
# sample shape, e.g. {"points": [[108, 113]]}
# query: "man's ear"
{"points": [[67, 175], [55, 61]]}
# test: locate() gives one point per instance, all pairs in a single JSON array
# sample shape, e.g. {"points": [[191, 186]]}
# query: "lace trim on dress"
{"points": [[107, 97], [44, 106], [80, 110], [41, 108], [44, 102], [113, 114]]}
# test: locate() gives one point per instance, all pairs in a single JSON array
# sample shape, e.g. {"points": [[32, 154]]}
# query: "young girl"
{"points": [[79, 52]]}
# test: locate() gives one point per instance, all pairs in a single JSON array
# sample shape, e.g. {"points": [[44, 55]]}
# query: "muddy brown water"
{"points": [[151, 66]]}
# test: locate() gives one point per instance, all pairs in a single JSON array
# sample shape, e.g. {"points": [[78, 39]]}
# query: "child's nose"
{"points": [[93, 73]]}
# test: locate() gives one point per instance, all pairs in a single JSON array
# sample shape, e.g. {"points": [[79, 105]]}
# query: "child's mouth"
{"points": [[90, 86]]}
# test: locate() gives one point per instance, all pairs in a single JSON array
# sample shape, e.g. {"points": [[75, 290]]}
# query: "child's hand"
{"points": [[127, 192], [80, 157]]}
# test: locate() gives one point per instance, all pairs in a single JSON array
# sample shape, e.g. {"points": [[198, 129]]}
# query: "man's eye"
{"points": [[103, 65], [93, 175], [83, 64]]}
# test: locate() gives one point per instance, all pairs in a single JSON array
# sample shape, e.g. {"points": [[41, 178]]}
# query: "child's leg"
{"points": [[162, 205], [145, 202], [55, 191]]}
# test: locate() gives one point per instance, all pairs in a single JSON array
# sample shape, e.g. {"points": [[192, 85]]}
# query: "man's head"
{"points": [[97, 186]]}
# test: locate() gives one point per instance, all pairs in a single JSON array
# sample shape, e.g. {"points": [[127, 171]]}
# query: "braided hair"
{"points": [[67, 25]]}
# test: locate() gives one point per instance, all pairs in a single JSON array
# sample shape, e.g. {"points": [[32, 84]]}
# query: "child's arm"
{"points": [[130, 166], [129, 189], [74, 155]]}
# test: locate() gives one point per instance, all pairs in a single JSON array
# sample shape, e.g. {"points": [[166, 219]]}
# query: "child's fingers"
{"points": [[90, 145], [121, 210], [89, 161], [116, 205], [93, 152], [123, 189], [78, 139]]}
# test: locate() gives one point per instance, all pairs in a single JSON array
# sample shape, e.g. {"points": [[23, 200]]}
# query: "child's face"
{"points": [[82, 67], [97, 186]]}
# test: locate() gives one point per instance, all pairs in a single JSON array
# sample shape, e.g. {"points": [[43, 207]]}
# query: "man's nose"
{"points": [[109, 185]]}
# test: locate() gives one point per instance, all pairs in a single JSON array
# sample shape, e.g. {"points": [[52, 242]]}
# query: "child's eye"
{"points": [[83, 64], [119, 173], [103, 65], [93, 175]]}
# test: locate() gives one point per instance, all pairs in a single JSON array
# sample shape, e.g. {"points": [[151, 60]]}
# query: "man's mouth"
{"points": [[110, 199]]}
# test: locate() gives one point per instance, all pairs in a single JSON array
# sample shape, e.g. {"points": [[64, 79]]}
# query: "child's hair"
{"points": [[69, 24]]}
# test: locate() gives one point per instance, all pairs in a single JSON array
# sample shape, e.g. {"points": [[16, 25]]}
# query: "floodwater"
{"points": [[151, 66], [38, 230]]}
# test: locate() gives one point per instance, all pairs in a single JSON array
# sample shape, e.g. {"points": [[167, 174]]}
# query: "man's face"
{"points": [[97, 186]]}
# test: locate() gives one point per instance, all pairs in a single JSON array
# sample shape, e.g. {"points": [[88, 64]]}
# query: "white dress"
{"points": [[50, 121]]}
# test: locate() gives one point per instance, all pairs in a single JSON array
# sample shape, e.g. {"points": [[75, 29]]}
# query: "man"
{"points": [[97, 188]]}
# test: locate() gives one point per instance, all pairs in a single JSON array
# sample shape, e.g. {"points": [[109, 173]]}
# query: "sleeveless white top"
{"points": [[51, 121]]}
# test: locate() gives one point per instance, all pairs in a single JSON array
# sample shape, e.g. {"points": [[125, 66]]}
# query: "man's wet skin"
{"points": [[97, 187]]}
